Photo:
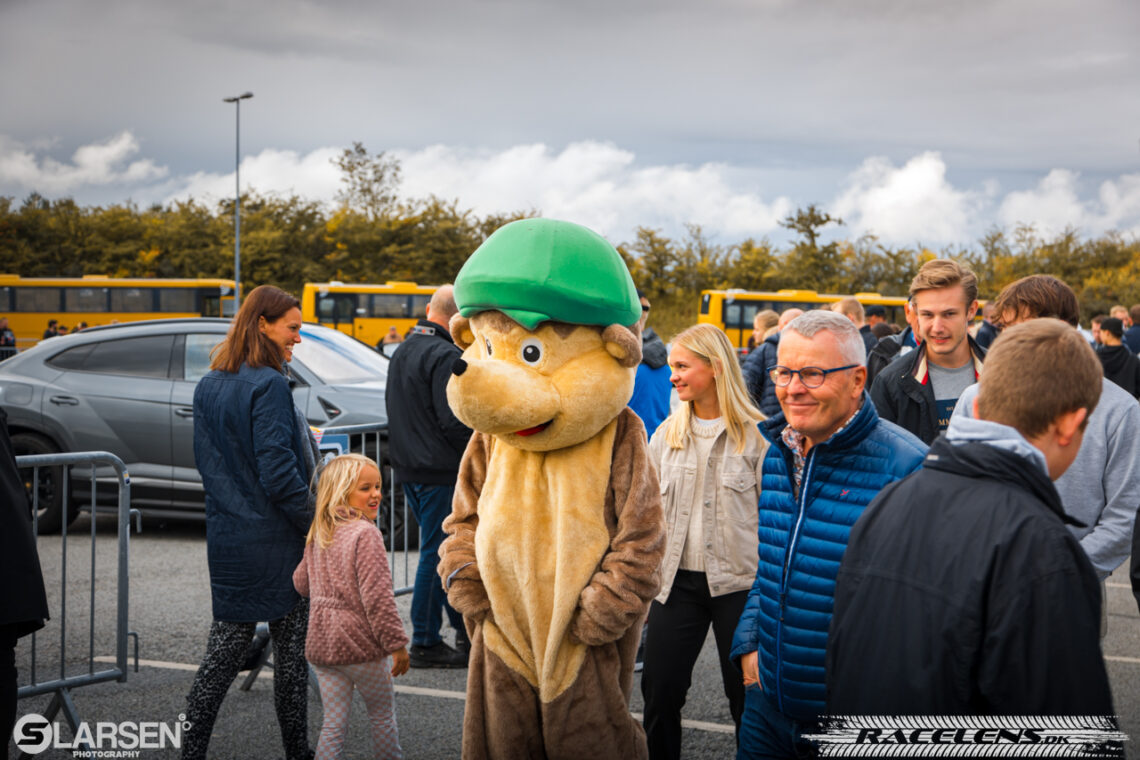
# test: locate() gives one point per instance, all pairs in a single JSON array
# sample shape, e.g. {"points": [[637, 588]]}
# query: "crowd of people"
{"points": [[938, 512], [976, 499], [912, 521]]}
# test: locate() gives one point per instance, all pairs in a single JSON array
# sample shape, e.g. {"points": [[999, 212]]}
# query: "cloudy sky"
{"points": [[919, 121]]}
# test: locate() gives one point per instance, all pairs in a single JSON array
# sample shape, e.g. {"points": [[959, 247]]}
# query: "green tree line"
{"points": [[372, 234]]}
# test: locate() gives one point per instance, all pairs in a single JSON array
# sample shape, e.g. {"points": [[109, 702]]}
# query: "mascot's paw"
{"points": [[469, 598], [585, 629]]}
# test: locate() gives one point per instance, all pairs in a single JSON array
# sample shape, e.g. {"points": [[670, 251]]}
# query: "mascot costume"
{"points": [[556, 531]]}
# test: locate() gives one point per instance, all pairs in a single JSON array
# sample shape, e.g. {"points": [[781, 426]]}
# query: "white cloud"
{"points": [[103, 163], [1121, 204], [914, 203], [1051, 206], [603, 187], [596, 184], [280, 172], [1055, 203]]}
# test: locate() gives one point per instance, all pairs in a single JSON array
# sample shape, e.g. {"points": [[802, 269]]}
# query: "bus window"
{"points": [[732, 315], [419, 306], [84, 299], [389, 306], [177, 300], [132, 299], [336, 307], [37, 299]]}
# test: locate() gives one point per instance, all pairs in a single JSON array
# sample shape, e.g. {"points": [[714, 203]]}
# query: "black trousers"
{"points": [[677, 631]]}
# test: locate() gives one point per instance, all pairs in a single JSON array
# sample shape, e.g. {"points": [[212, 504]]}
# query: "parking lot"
{"points": [[170, 610]]}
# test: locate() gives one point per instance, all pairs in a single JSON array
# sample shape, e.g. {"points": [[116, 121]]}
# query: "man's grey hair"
{"points": [[851, 347], [443, 302]]}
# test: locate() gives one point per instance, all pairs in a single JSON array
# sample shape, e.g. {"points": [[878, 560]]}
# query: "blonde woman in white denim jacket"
{"points": [[708, 455]]}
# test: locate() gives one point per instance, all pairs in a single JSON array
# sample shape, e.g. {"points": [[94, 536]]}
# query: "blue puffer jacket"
{"points": [[252, 454], [789, 608]]}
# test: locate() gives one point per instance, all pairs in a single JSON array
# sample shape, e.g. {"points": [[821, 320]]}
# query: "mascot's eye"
{"points": [[531, 351], [487, 342]]}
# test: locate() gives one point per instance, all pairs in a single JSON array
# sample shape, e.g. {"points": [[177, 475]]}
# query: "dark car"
{"points": [[129, 389]]}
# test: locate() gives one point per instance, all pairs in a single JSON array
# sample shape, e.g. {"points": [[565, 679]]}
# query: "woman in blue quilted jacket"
{"points": [[256, 456]]}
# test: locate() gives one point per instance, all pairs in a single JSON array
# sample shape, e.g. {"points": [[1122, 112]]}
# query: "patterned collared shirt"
{"points": [[794, 440]]}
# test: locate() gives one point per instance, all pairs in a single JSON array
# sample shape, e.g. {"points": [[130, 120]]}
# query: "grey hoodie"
{"points": [[1102, 487], [968, 430]]}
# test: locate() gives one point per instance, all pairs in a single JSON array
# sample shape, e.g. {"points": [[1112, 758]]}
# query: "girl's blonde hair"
{"points": [[337, 480], [740, 416]]}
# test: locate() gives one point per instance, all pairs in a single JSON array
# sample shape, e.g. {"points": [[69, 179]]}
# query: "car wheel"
{"points": [[50, 506]]}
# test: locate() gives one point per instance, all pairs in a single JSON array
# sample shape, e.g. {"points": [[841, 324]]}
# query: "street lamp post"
{"points": [[236, 100]]}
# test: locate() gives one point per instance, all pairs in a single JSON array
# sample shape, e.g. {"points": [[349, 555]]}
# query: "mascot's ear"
{"points": [[461, 333], [623, 344]]}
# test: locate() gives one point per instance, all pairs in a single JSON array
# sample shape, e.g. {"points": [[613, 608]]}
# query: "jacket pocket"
{"points": [[677, 482], [739, 493]]}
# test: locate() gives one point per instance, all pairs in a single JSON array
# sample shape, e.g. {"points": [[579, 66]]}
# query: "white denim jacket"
{"points": [[729, 504]]}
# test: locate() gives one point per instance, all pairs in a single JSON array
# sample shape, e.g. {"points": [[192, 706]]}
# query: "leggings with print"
{"points": [[374, 681], [225, 652]]}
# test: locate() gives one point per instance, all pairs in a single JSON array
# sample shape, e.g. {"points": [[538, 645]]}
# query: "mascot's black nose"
{"points": [[459, 367]]}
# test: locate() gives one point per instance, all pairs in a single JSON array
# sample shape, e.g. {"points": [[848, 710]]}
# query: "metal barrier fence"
{"points": [[401, 532], [62, 685]]}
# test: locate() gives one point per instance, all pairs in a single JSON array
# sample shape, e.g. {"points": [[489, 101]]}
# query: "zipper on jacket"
{"points": [[802, 503]]}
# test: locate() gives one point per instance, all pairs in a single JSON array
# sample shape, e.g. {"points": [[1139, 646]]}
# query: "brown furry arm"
{"points": [[629, 575], [457, 566]]}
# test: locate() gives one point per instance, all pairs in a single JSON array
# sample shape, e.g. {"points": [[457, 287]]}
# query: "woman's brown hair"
{"points": [[245, 343]]}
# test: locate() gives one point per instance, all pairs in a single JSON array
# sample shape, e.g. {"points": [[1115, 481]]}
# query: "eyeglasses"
{"points": [[645, 307], [811, 377]]}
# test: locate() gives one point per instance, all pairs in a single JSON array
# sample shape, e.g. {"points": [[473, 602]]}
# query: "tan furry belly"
{"points": [[542, 534]]}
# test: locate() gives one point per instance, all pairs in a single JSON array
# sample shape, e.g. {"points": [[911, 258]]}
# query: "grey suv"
{"points": [[129, 389]]}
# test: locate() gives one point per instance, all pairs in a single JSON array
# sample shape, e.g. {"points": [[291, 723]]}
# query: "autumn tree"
{"points": [[809, 264], [370, 181]]}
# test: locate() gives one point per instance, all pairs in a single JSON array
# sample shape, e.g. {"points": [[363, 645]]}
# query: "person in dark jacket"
{"points": [[426, 442], [891, 347], [853, 310], [759, 361], [1120, 365], [7, 340], [987, 331], [919, 391], [651, 386], [257, 457], [830, 454], [1132, 333], [23, 603], [993, 607]]}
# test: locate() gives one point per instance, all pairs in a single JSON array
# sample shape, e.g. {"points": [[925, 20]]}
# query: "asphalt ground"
{"points": [[170, 611]]}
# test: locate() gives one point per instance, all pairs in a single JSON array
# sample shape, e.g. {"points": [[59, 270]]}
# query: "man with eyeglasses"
{"points": [[918, 391], [830, 455]]}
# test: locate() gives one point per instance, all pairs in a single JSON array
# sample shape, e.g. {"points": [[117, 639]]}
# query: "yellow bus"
{"points": [[734, 310], [366, 312], [30, 302]]}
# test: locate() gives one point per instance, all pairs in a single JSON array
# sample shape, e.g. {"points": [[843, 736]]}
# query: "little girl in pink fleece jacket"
{"points": [[353, 622]]}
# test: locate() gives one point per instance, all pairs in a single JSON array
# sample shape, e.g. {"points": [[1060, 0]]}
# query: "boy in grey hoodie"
{"points": [[1102, 487]]}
